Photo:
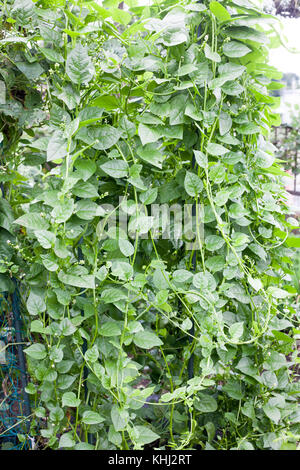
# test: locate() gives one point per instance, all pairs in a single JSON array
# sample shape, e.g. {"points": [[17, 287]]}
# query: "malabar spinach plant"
{"points": [[139, 341]]}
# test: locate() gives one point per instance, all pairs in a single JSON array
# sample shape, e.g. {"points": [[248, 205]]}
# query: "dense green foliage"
{"points": [[103, 103]]}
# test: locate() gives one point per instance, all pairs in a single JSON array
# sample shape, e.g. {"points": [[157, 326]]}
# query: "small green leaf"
{"points": [[206, 403], [219, 11], [145, 435], [35, 303], [69, 399], [236, 330], [272, 413], [192, 184], [57, 147], [148, 134], [235, 49], [91, 417], [92, 354], [147, 340], [214, 242], [36, 351], [115, 168], [278, 293], [113, 294], [110, 328], [201, 159], [216, 149], [63, 211]]}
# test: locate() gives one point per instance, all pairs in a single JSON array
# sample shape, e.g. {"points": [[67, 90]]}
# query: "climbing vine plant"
{"points": [[140, 341]]}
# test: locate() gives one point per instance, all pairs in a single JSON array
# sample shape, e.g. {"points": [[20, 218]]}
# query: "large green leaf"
{"points": [[33, 221], [79, 66], [147, 340]]}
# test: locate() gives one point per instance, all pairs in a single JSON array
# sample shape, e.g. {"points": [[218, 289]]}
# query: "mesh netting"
{"points": [[14, 401]]}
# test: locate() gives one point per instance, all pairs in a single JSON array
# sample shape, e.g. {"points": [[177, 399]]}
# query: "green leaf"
{"points": [[84, 281], [63, 211], [150, 154], [201, 159], [56, 353], [272, 413], [85, 189], [246, 33], [219, 11], [221, 197], [67, 327], [79, 66], [235, 49], [57, 147], [126, 247], [275, 361], [186, 69], [204, 281], [52, 54], [37, 326], [115, 168], [99, 137], [225, 123], [31, 70], [182, 275], [69, 399], [216, 149], [214, 242], [113, 294], [149, 196], [45, 238], [30, 389], [206, 403], [32, 221], [236, 330], [278, 293], [192, 184], [255, 283], [246, 366], [233, 389], [146, 340], [239, 239], [110, 328], [85, 169], [92, 354], [88, 116], [178, 105], [145, 435], [86, 209], [66, 440], [35, 303], [84, 446], [209, 54], [119, 418], [217, 173], [148, 134], [91, 417], [232, 88], [36, 351]]}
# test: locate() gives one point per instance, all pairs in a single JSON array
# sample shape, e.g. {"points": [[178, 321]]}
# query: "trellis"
{"points": [[15, 410], [288, 153]]}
